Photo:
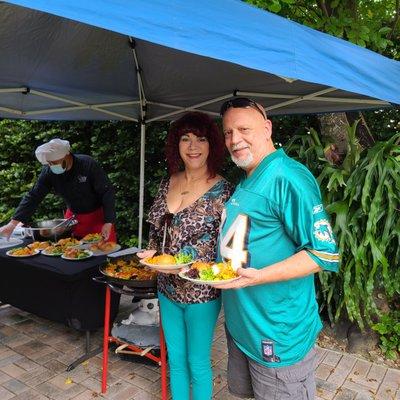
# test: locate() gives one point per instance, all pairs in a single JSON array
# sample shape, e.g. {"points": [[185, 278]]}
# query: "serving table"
{"points": [[57, 289]]}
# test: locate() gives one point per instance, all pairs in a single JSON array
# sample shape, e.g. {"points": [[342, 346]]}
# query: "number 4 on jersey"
{"points": [[234, 244]]}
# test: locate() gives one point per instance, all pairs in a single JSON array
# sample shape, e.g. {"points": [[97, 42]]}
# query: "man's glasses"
{"points": [[241, 102]]}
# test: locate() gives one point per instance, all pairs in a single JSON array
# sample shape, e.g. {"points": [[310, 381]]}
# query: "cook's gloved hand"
{"points": [[8, 229]]}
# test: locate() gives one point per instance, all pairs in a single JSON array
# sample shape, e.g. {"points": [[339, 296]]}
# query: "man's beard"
{"points": [[243, 163]]}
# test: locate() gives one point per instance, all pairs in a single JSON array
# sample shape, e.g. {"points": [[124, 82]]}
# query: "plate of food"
{"points": [[92, 238], [209, 273], [54, 250], [22, 252], [74, 254], [104, 248], [168, 262], [69, 242], [38, 245]]}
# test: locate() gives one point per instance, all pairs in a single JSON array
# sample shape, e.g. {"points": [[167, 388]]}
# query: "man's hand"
{"points": [[106, 230], [296, 266], [248, 277], [8, 229]]}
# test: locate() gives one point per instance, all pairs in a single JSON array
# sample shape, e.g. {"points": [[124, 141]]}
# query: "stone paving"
{"points": [[34, 354]]}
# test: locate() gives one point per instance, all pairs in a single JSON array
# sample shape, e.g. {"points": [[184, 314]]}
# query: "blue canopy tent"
{"points": [[152, 60]]}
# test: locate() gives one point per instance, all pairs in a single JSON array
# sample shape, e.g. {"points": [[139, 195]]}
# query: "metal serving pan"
{"points": [[132, 283], [52, 229]]}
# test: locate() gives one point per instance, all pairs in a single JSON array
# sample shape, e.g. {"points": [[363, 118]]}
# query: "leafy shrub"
{"points": [[389, 330], [363, 197]]}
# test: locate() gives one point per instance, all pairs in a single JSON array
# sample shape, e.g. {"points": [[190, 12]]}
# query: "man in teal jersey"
{"points": [[277, 234]]}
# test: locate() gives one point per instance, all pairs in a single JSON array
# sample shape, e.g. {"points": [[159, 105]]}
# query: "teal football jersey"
{"points": [[274, 213]]}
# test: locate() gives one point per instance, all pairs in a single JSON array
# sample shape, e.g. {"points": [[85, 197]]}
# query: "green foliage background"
{"points": [[115, 145]]}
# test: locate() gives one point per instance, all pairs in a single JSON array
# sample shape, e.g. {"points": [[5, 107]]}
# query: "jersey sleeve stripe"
{"points": [[329, 257]]}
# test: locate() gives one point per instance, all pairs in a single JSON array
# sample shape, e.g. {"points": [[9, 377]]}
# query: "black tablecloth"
{"points": [[56, 289]]}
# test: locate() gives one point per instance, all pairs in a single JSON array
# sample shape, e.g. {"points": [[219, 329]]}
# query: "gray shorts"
{"points": [[249, 379]]}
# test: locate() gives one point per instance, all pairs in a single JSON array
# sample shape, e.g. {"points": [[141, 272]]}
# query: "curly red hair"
{"points": [[201, 125]]}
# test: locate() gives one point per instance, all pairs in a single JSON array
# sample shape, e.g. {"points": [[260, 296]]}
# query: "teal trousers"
{"points": [[189, 330]]}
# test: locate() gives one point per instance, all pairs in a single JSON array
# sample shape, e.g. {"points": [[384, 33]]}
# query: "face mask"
{"points": [[57, 169]]}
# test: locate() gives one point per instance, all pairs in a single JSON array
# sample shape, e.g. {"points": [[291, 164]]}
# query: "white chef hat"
{"points": [[52, 151]]}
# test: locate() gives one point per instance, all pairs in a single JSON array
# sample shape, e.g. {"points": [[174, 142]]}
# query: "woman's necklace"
{"points": [[184, 191]]}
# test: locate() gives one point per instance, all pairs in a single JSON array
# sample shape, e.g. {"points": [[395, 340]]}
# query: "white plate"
{"points": [[77, 259], [30, 255], [210, 283], [50, 255], [165, 267], [4, 243], [104, 253]]}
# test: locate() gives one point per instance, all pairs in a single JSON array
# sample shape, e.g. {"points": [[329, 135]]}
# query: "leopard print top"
{"points": [[192, 230]]}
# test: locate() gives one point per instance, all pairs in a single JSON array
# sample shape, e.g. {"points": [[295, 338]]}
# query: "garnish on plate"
{"points": [[68, 242], [38, 245], [211, 271], [53, 250], [22, 252], [169, 259], [92, 238], [72, 253]]}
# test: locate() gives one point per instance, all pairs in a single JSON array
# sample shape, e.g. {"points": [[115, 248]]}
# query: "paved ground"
{"points": [[35, 352]]}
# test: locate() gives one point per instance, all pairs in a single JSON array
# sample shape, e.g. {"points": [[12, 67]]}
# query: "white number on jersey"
{"points": [[234, 244]]}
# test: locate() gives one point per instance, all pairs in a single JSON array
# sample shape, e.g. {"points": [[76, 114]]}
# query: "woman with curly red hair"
{"points": [[189, 204]]}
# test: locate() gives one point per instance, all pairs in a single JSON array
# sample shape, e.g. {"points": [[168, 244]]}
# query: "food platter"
{"points": [[88, 252], [165, 267], [182, 274], [69, 242], [46, 252], [39, 245], [31, 254], [210, 273], [92, 238], [98, 251], [122, 264]]}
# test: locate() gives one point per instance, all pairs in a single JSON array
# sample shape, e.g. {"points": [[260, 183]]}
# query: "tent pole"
{"points": [[143, 109], [141, 181]]}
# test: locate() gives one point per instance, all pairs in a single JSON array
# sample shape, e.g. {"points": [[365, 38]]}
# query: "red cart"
{"points": [[138, 293]]}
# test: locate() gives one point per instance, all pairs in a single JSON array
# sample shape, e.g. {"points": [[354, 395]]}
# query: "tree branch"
{"points": [[353, 8], [396, 20], [323, 7]]}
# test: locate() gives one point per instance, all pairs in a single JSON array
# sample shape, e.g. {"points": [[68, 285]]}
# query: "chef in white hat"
{"points": [[52, 152], [80, 181]]}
